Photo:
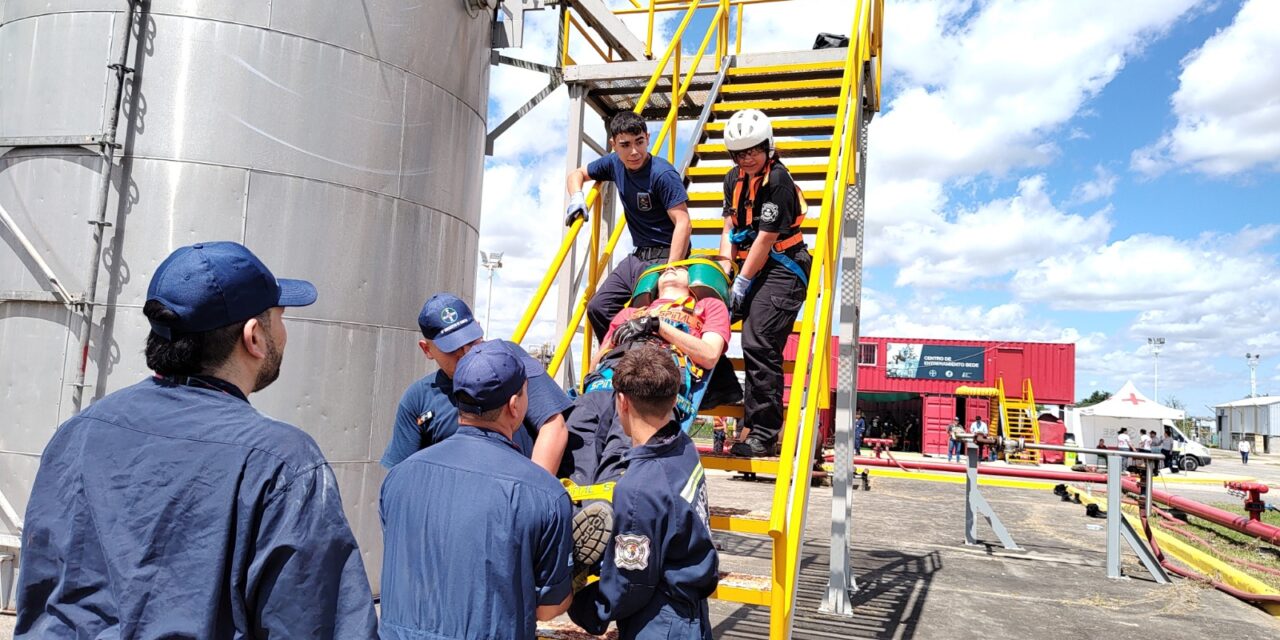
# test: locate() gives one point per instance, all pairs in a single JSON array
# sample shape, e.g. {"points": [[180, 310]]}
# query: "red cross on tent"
{"points": [[1133, 397]]}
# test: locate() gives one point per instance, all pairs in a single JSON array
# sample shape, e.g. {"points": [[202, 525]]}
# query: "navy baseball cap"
{"points": [[487, 378], [215, 284], [448, 322]]}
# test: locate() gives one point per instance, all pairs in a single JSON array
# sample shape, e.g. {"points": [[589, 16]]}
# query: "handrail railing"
{"points": [[805, 398]]}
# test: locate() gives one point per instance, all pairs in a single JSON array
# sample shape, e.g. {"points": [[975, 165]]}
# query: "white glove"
{"points": [[577, 209]]}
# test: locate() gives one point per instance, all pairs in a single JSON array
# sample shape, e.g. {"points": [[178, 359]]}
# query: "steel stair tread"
{"points": [[811, 195], [774, 87], [717, 173], [737, 520], [835, 67], [704, 226], [745, 588], [813, 106]]}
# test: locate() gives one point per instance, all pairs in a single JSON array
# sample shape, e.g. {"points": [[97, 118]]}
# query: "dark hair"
{"points": [[627, 122], [190, 353], [649, 378], [489, 416], [1123, 429]]}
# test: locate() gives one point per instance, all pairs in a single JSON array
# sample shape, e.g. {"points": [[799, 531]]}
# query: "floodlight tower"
{"points": [[1252, 359], [491, 261], [1156, 345]]}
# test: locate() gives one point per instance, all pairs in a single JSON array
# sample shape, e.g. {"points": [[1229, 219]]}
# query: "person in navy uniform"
{"points": [[427, 414], [477, 538], [656, 206], [762, 217], [172, 508], [657, 574]]}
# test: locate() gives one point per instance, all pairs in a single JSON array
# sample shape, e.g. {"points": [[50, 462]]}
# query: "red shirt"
{"points": [[710, 316]]}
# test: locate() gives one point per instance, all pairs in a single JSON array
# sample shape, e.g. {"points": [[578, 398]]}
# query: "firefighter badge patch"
{"points": [[768, 212], [631, 552], [644, 201]]}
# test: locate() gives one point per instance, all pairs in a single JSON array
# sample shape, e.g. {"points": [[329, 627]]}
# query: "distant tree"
{"points": [[1174, 403], [1094, 398]]}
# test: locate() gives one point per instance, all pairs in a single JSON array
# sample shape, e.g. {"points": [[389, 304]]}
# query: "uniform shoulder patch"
{"points": [[631, 551], [768, 212]]}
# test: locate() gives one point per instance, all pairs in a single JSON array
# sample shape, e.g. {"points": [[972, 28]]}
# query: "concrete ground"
{"points": [[918, 580]]}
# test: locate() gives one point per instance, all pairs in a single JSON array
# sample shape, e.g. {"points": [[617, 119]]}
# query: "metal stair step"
{"points": [[713, 226], [722, 411], [790, 106], [775, 88], [744, 588], [788, 365], [740, 520], [788, 126], [791, 148], [725, 462], [704, 198], [716, 174], [833, 67]]}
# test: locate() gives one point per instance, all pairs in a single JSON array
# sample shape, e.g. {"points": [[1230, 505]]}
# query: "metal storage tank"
{"points": [[341, 141]]}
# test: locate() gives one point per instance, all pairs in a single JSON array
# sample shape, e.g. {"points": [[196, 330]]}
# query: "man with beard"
{"points": [[173, 508]]}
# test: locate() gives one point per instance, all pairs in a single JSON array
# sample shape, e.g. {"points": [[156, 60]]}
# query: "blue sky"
{"points": [[1090, 172]]}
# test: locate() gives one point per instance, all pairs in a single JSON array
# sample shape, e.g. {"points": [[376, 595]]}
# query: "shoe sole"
{"points": [[592, 529]]}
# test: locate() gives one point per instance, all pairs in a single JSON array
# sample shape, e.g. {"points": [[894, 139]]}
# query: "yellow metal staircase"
{"points": [[1016, 417], [817, 108]]}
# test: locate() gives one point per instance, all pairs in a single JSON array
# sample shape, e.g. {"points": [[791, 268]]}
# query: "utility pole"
{"points": [[1252, 359], [491, 261], [1156, 345]]}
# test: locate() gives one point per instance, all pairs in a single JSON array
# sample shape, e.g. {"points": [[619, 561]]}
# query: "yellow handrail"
{"points": [[788, 507]]}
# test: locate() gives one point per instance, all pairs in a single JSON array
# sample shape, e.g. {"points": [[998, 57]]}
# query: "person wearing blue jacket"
{"points": [[478, 539], [661, 567], [173, 508], [427, 413]]}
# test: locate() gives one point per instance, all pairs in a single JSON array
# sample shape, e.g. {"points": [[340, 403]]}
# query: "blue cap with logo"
{"points": [[215, 284], [487, 378], [447, 321]]}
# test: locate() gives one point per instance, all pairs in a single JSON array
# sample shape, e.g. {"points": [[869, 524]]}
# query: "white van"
{"points": [[1191, 454]]}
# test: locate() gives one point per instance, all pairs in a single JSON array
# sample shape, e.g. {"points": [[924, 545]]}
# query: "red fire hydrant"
{"points": [[1252, 494], [878, 444]]}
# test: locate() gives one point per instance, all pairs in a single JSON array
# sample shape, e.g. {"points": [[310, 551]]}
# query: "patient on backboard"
{"points": [[681, 307]]}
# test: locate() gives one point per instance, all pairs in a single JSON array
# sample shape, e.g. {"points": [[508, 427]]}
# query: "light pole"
{"points": [[1156, 345], [491, 261], [1252, 359]]}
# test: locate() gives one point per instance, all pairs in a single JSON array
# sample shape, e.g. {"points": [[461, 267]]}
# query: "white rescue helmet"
{"points": [[746, 129]]}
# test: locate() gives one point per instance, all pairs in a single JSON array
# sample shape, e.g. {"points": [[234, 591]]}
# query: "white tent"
{"points": [[1126, 408], [1128, 402]]}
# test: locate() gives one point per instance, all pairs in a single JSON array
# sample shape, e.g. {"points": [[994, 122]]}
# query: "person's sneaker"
{"points": [[592, 529], [752, 448]]}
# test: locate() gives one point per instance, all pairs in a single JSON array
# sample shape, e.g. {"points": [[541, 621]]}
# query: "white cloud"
{"points": [[1227, 102], [1101, 187], [982, 96], [1144, 271], [987, 242]]}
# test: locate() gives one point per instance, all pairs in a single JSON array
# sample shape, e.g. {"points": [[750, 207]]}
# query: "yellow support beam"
{"points": [[739, 521]]}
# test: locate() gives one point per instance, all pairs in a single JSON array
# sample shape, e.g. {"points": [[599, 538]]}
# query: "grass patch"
{"points": [[1228, 544]]}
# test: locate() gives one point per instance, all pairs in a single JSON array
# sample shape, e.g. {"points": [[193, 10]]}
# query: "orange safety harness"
{"points": [[743, 230]]}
